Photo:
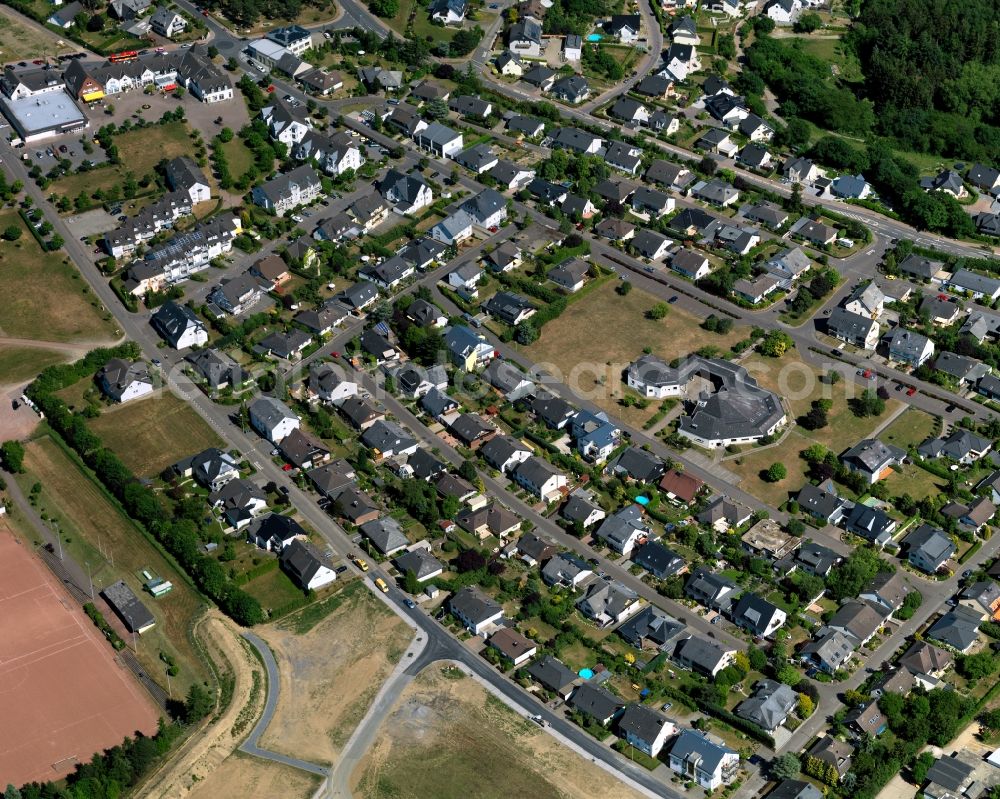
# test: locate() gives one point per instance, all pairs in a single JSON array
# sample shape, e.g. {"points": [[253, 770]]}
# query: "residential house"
{"points": [[286, 346], [961, 446], [909, 347], [510, 175], [539, 478], [449, 12], [509, 308], [474, 609], [533, 550], [815, 232], [696, 758], [851, 187], [408, 193], [596, 702], [887, 590], [354, 505], [122, 380], [577, 140], [572, 89], [766, 539], [645, 729], [275, 532], [303, 450], [929, 548], [421, 563], [659, 561], [858, 621], [217, 370], [872, 524], [866, 719], [652, 629], [212, 468], [704, 656], [608, 602], [927, 663], [691, 264], [866, 300], [467, 349], [712, 591], [495, 520], [860, 331], [920, 267], [966, 371], [625, 27], [974, 285], [758, 616], [524, 38], [504, 453], [567, 569], [580, 507], [681, 487], [872, 459], [624, 529], [554, 676], [616, 230], [479, 158], [984, 597], [650, 245], [834, 752], [718, 141], [572, 47], [940, 310], [651, 203], [816, 559], [723, 513], [388, 439], [769, 706], [508, 379], [821, 504], [284, 192], [958, 628], [386, 535], [309, 568], [637, 464], [830, 652], [629, 110], [439, 139], [179, 326], [525, 125], [513, 646], [236, 295]]}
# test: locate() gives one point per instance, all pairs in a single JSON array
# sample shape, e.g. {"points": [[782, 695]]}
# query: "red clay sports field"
{"points": [[63, 696]]}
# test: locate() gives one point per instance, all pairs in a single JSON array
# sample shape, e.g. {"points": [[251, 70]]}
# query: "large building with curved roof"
{"points": [[730, 409]]}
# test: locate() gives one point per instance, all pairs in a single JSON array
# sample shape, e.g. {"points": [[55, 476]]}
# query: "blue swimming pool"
{"points": [[642, 500], [594, 37], [586, 673]]}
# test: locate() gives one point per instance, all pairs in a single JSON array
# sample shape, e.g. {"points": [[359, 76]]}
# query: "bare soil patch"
{"points": [[244, 776], [331, 674], [448, 738]]}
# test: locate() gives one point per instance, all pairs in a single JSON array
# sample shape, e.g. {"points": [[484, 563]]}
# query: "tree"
{"points": [[11, 792], [725, 46], [806, 706], [436, 109], [868, 404], [708, 166], [977, 666], [470, 560], [410, 582], [622, 289], [921, 766], [658, 311], [384, 8], [808, 22], [785, 767], [96, 23], [526, 333], [775, 473], [467, 471], [775, 343], [12, 455], [199, 703], [12, 232]]}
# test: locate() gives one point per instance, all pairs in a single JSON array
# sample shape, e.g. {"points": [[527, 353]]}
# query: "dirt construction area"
{"points": [[61, 688], [336, 662], [245, 776], [448, 738], [204, 758]]}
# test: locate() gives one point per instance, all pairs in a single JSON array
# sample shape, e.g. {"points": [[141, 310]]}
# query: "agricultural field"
{"points": [[336, 653], [44, 295], [96, 532], [151, 433], [448, 738], [800, 384], [568, 344]]}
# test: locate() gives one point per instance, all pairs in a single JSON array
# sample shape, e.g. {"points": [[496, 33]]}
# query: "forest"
{"points": [[931, 77]]}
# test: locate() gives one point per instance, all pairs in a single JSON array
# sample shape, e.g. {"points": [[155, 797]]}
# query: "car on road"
{"points": [[967, 573], [156, 361], [899, 387], [672, 300], [381, 585], [270, 89], [911, 391], [538, 720], [667, 706], [122, 218], [341, 569], [335, 354], [361, 563], [97, 250], [63, 148], [409, 603]]}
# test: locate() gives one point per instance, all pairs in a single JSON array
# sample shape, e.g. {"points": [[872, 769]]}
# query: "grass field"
{"points": [[238, 156], [44, 296], [336, 653], [90, 523], [151, 433], [140, 151], [569, 344], [18, 364], [912, 427], [447, 738], [273, 590], [422, 25], [799, 385], [20, 42], [834, 53]]}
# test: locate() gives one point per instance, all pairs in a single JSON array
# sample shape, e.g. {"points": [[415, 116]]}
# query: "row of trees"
{"points": [[179, 531]]}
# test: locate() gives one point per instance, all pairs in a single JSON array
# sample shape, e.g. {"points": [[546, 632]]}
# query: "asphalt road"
{"points": [[273, 689]]}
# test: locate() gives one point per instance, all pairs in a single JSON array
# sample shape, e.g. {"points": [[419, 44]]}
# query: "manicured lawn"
{"points": [[273, 590], [238, 156], [834, 53], [140, 151], [151, 433], [95, 531], [910, 479], [18, 364], [910, 427], [799, 385], [44, 296], [587, 360]]}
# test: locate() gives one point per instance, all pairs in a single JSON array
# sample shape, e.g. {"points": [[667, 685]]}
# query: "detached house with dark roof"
{"points": [[758, 616], [645, 729], [696, 758], [474, 609]]}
